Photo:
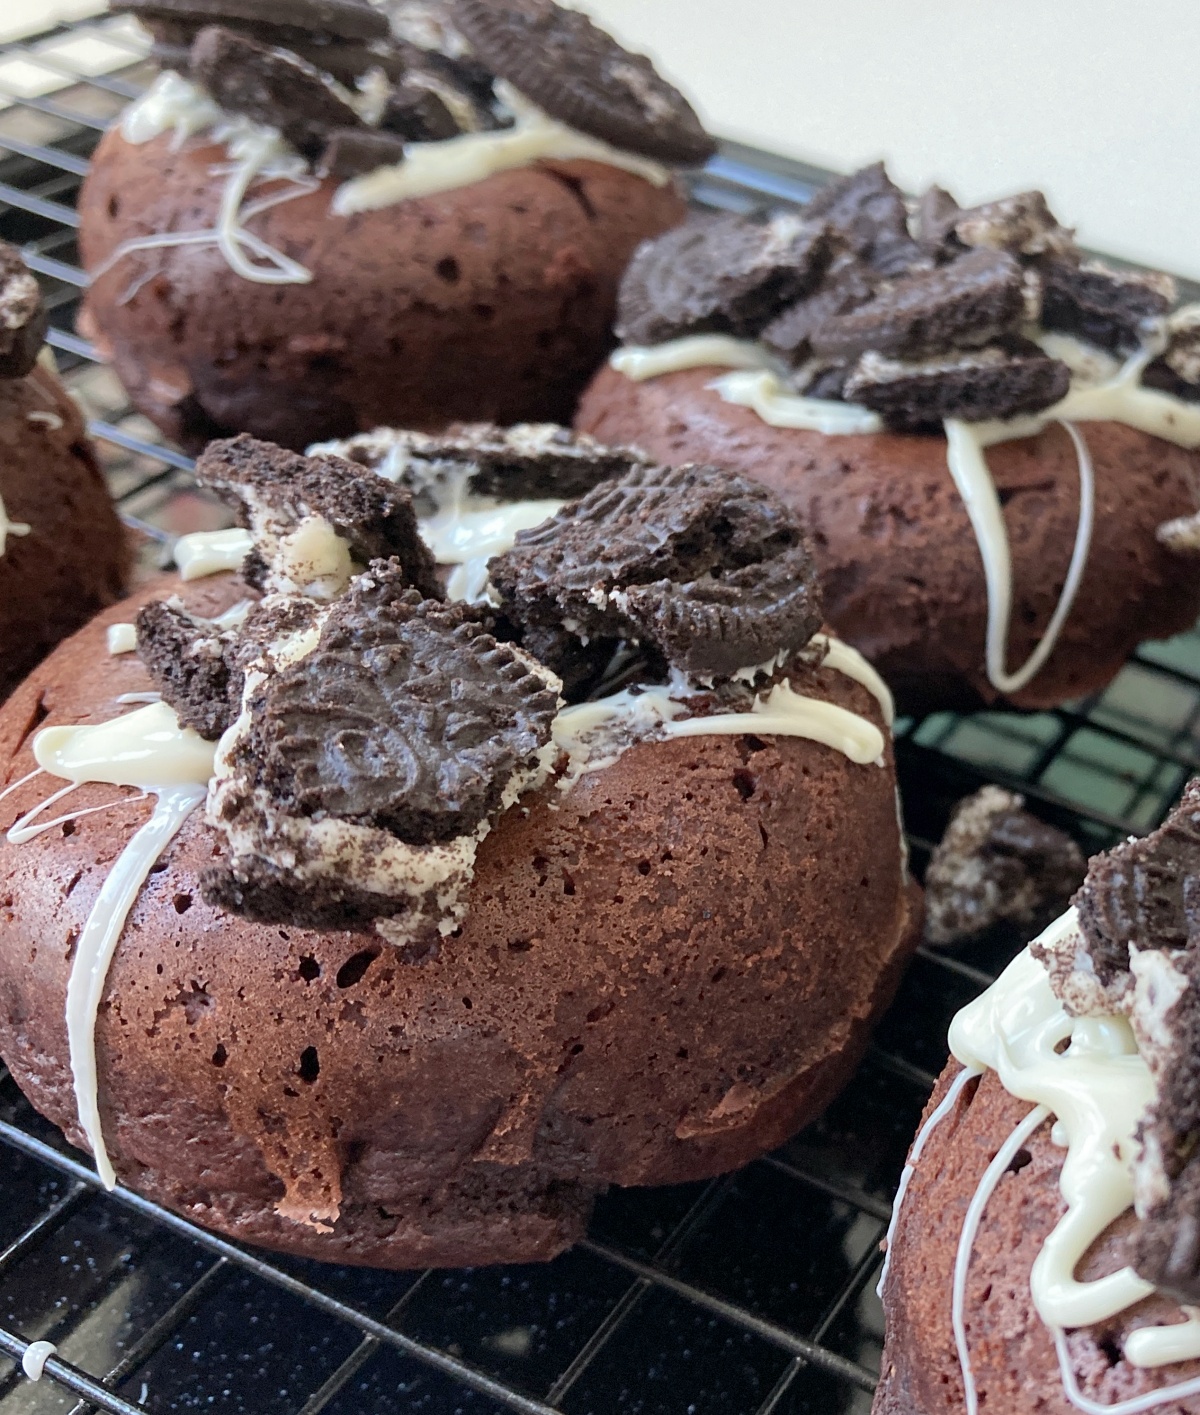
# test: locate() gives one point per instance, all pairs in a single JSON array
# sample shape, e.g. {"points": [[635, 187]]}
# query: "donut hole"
{"points": [[310, 1066], [353, 970]]}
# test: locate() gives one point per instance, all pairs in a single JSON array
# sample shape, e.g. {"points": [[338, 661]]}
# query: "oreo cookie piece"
{"points": [[934, 219], [847, 286], [349, 152], [1107, 307], [192, 663], [268, 86], [1022, 225], [583, 77], [23, 318], [315, 520], [868, 215], [1177, 370], [718, 273], [963, 305], [984, 383], [339, 19], [709, 569], [417, 114], [527, 462], [997, 862]]}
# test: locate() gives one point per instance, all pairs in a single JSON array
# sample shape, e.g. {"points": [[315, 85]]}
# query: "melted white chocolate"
{"points": [[1088, 1074], [121, 638], [467, 530], [33, 1361], [150, 750], [642, 362], [846, 660], [767, 394], [210, 552], [10, 528]]}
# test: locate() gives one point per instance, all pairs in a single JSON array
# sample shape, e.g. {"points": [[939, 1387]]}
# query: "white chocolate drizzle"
{"points": [[1101, 391], [203, 553], [1088, 1074], [10, 528], [121, 638], [36, 1354], [173, 104], [146, 749]]}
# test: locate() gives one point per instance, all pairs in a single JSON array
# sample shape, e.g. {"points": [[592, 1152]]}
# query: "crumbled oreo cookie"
{"points": [[718, 273], [975, 386], [398, 732], [868, 216], [580, 75], [1177, 369], [349, 152], [1166, 1244], [527, 462], [963, 305], [271, 87], [23, 318], [708, 568], [933, 221], [192, 664], [338, 19], [1144, 894], [1107, 307], [846, 287], [820, 378], [997, 862], [1022, 224], [417, 114], [315, 520]]}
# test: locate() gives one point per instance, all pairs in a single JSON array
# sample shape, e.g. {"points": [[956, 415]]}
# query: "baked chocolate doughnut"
{"points": [[1043, 1253], [63, 553], [309, 227], [440, 958], [992, 438]]}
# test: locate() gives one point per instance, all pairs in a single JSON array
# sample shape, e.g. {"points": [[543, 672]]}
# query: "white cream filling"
{"points": [[1101, 390], [33, 1361], [1098, 1087], [173, 104], [203, 553]]}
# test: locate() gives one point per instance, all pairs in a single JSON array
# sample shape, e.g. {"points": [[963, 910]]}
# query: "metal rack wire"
{"points": [[748, 1295]]}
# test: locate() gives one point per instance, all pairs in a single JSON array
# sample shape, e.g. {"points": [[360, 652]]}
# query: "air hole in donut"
{"points": [[220, 1056], [466, 1002], [746, 783], [568, 883], [484, 313], [309, 969], [114, 207], [1019, 1161], [1110, 1348], [753, 743], [310, 1065], [519, 945], [355, 967], [448, 270], [182, 903], [682, 1053], [718, 975], [601, 1010], [644, 867], [68, 827]]}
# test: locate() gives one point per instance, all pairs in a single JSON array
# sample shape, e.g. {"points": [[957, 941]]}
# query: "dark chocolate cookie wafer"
{"points": [[276, 491], [975, 386], [718, 273], [341, 19], [963, 305], [23, 317], [710, 569], [270, 87], [1111, 308], [349, 152], [583, 77], [847, 286], [1177, 371], [868, 214], [192, 664]]}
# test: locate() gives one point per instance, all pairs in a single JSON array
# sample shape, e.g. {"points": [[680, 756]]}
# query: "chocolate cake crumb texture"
{"points": [[192, 664], [997, 862], [580, 75], [707, 567], [271, 487], [23, 317]]}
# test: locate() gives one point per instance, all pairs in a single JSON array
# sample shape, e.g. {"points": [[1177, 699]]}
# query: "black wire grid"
{"points": [[752, 1294]]}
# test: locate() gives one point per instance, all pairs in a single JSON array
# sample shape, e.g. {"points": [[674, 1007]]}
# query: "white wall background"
{"points": [[1095, 101]]}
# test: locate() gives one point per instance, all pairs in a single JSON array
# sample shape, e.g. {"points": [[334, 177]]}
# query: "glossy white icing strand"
{"points": [[121, 638], [940, 1112], [968, 466], [846, 660], [962, 1259], [36, 1354], [642, 362], [210, 552], [1150, 1347], [16, 785], [1135, 1405], [95, 948], [767, 394], [10, 528], [24, 829]]}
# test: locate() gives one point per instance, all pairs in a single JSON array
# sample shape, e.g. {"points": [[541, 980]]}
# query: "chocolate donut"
{"points": [[63, 554], [655, 950], [1001, 508], [304, 233], [1043, 1249]]}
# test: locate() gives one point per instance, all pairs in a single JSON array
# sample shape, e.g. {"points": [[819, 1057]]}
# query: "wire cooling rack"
{"points": [[749, 1295]]}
